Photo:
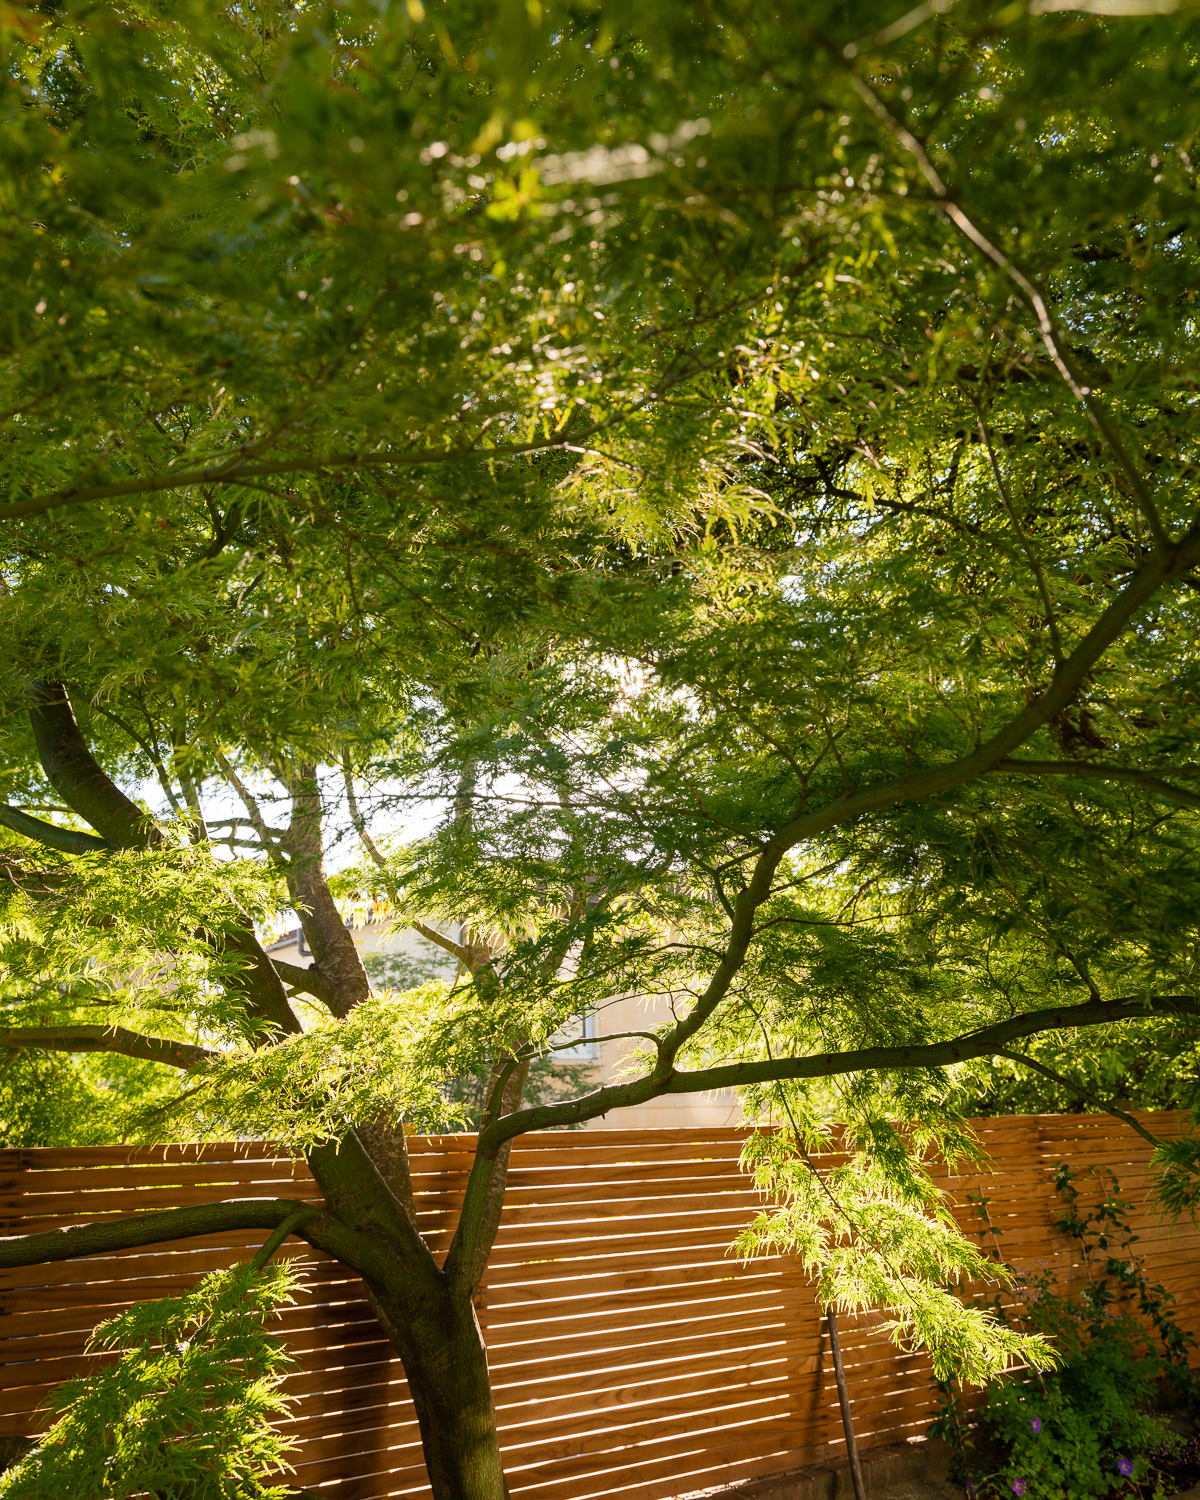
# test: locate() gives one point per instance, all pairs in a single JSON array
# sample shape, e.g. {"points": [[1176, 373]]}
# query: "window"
{"points": [[586, 1049]]}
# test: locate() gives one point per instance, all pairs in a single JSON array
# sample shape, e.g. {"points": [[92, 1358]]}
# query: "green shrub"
{"points": [[1086, 1430], [1083, 1431]]}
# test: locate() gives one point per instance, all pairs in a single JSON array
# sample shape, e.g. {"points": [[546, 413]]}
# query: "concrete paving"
{"points": [[902, 1471], [917, 1470]]}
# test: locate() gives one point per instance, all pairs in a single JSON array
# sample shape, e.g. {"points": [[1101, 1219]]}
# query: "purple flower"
{"points": [[1036, 1423], [1018, 1486], [1125, 1466]]}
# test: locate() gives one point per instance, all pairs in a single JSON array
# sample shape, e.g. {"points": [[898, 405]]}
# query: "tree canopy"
{"points": [[731, 466]]}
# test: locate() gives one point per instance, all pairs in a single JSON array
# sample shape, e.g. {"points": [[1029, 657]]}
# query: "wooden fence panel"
{"points": [[631, 1354], [682, 1368]]}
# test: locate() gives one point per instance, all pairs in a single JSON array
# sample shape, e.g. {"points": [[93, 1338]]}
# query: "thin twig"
{"points": [[356, 817], [256, 818], [1033, 296]]}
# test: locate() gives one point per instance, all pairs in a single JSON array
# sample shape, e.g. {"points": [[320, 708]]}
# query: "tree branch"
{"points": [[310, 981], [983, 1043], [150, 750], [1145, 779], [918, 785], [990, 755], [78, 777], [1031, 556], [741, 934], [332, 943], [1036, 299], [233, 470], [271, 844], [69, 840], [154, 1228], [1109, 1109], [456, 950], [356, 817], [106, 1039], [87, 789]]}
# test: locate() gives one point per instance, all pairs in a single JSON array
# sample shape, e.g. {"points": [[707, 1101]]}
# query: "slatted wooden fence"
{"points": [[631, 1355]]}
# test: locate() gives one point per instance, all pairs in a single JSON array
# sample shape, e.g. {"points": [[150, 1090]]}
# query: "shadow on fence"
{"points": [[631, 1355]]}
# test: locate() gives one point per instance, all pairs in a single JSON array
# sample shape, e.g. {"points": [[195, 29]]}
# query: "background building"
{"points": [[404, 957]]}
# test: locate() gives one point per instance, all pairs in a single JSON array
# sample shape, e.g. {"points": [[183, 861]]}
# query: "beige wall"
{"points": [[371, 937], [674, 1111]]}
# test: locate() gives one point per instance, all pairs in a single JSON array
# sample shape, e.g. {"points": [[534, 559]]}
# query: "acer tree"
{"points": [[738, 465]]}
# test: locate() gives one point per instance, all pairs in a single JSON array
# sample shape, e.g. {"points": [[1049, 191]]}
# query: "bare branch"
{"points": [[69, 840], [333, 946], [1146, 779], [356, 817], [1109, 1109], [308, 981], [257, 821], [153, 1228], [106, 1039], [78, 777], [457, 950], [150, 750], [986, 1042]]}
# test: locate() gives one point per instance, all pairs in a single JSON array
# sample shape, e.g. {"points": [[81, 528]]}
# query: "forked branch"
{"points": [[986, 1042], [1085, 1094], [307, 981], [988, 757], [1148, 780]]}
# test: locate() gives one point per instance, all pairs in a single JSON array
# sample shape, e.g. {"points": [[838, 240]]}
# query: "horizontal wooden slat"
{"points": [[631, 1355], [29, 1184]]}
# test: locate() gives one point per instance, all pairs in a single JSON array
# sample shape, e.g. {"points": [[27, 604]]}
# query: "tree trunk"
{"points": [[334, 950], [426, 1312], [445, 1362]]}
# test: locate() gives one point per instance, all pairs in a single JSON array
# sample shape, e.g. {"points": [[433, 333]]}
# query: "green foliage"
{"points": [[1088, 1428], [876, 1234], [55, 1099], [1175, 1170], [186, 1408], [465, 1097], [420, 1055], [1090, 1417], [839, 525], [1149, 1065], [1107, 1241], [404, 971], [305, 1089], [134, 937], [725, 473], [548, 1082]]}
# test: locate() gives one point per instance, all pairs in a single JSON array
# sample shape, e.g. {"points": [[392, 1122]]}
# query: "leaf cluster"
{"points": [[186, 1407], [877, 1236], [1088, 1427]]}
